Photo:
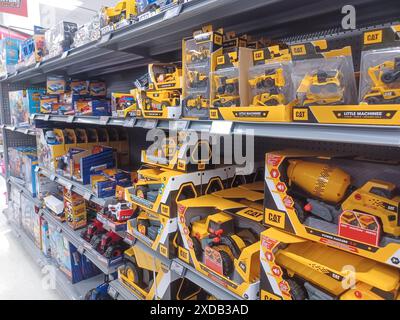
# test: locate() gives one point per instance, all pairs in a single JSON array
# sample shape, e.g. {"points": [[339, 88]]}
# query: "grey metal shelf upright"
{"points": [[119, 57]]}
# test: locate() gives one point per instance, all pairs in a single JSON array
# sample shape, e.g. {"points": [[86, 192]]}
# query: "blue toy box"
{"points": [[23, 103], [9, 50]]}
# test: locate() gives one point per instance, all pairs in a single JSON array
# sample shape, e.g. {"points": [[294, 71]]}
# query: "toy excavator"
{"points": [[326, 192], [123, 10], [197, 79], [215, 235], [321, 88], [385, 79]]}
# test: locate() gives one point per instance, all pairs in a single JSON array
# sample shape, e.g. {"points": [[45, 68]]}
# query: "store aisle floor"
{"points": [[20, 276]]}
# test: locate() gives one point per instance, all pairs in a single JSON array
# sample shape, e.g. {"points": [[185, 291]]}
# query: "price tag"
{"points": [[12, 128], [105, 38], [52, 177], [171, 13], [221, 127], [65, 54], [104, 120], [2, 126], [32, 117], [26, 131], [38, 65], [129, 123], [46, 117], [70, 119], [107, 29], [112, 292], [150, 124], [59, 229], [68, 185], [81, 249], [179, 125], [177, 268]]}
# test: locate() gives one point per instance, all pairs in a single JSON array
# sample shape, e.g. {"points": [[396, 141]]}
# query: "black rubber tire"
{"points": [[221, 89], [112, 252], [95, 241], [268, 83], [198, 250], [136, 271], [227, 263], [373, 100], [272, 102], [230, 88], [388, 77], [297, 291]]}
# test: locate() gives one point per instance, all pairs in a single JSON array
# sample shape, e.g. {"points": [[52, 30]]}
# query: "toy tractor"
{"points": [[272, 78], [226, 86], [326, 192], [214, 239], [109, 245], [196, 102], [94, 229], [321, 88], [198, 56], [122, 11], [385, 83], [148, 225], [197, 79], [159, 100]]}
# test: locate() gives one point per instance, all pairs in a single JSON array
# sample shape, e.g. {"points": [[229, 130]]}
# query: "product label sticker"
{"points": [[372, 37]]}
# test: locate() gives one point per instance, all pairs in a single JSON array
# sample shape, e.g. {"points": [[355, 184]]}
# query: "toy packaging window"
{"points": [[225, 88]]}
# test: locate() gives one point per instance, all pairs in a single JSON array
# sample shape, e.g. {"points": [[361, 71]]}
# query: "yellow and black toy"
{"points": [[123, 10], [270, 85], [323, 87], [385, 79]]}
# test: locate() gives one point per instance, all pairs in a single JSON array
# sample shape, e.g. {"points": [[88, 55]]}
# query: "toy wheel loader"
{"points": [[197, 79], [198, 102], [226, 86], [326, 192], [148, 225], [216, 235], [197, 56], [385, 83], [321, 88]]}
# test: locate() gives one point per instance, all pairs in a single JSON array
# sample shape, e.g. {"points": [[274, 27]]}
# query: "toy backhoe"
{"points": [[385, 79]]}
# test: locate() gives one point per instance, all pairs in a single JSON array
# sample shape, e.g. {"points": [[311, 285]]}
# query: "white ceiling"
{"points": [[46, 15]]}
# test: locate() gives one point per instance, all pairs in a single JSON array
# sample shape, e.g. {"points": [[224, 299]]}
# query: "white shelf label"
{"points": [[104, 120], [87, 195], [172, 13], [221, 127], [129, 123], [64, 55], [46, 117], [150, 124], [112, 292], [179, 125], [70, 119], [177, 268]]}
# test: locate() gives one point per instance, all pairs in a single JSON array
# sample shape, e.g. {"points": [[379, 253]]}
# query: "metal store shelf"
{"points": [[360, 134], [29, 131], [63, 284], [118, 291], [82, 246], [13, 181], [84, 191]]}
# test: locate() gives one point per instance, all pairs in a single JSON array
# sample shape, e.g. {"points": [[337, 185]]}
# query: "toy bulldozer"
{"points": [[385, 83], [321, 88], [271, 84]]}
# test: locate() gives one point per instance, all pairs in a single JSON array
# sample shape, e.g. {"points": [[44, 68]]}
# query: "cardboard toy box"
{"points": [[180, 154], [199, 59], [156, 231], [9, 55], [158, 190], [294, 268], [59, 38], [123, 104], [74, 209], [345, 202], [105, 182], [378, 104], [220, 239], [23, 104]]}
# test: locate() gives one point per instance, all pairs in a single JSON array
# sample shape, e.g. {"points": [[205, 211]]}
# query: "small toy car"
{"points": [[55, 87], [120, 212]]}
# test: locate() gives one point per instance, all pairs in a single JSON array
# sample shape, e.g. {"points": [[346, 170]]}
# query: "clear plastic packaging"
{"points": [[225, 88], [380, 76], [88, 32], [325, 81], [59, 38], [271, 84]]}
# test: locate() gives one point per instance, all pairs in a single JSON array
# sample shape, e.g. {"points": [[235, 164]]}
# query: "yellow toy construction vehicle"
{"points": [[226, 86], [197, 79], [196, 102], [216, 235], [321, 88], [317, 272], [385, 83], [269, 99], [123, 10], [159, 100], [165, 76], [326, 192], [271, 79], [148, 225], [197, 56]]}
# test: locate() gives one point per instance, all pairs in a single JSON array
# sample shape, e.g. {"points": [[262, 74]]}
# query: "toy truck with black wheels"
{"points": [[326, 191], [123, 10], [297, 269]]}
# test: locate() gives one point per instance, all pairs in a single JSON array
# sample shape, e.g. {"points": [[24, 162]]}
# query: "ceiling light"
{"points": [[62, 4]]}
